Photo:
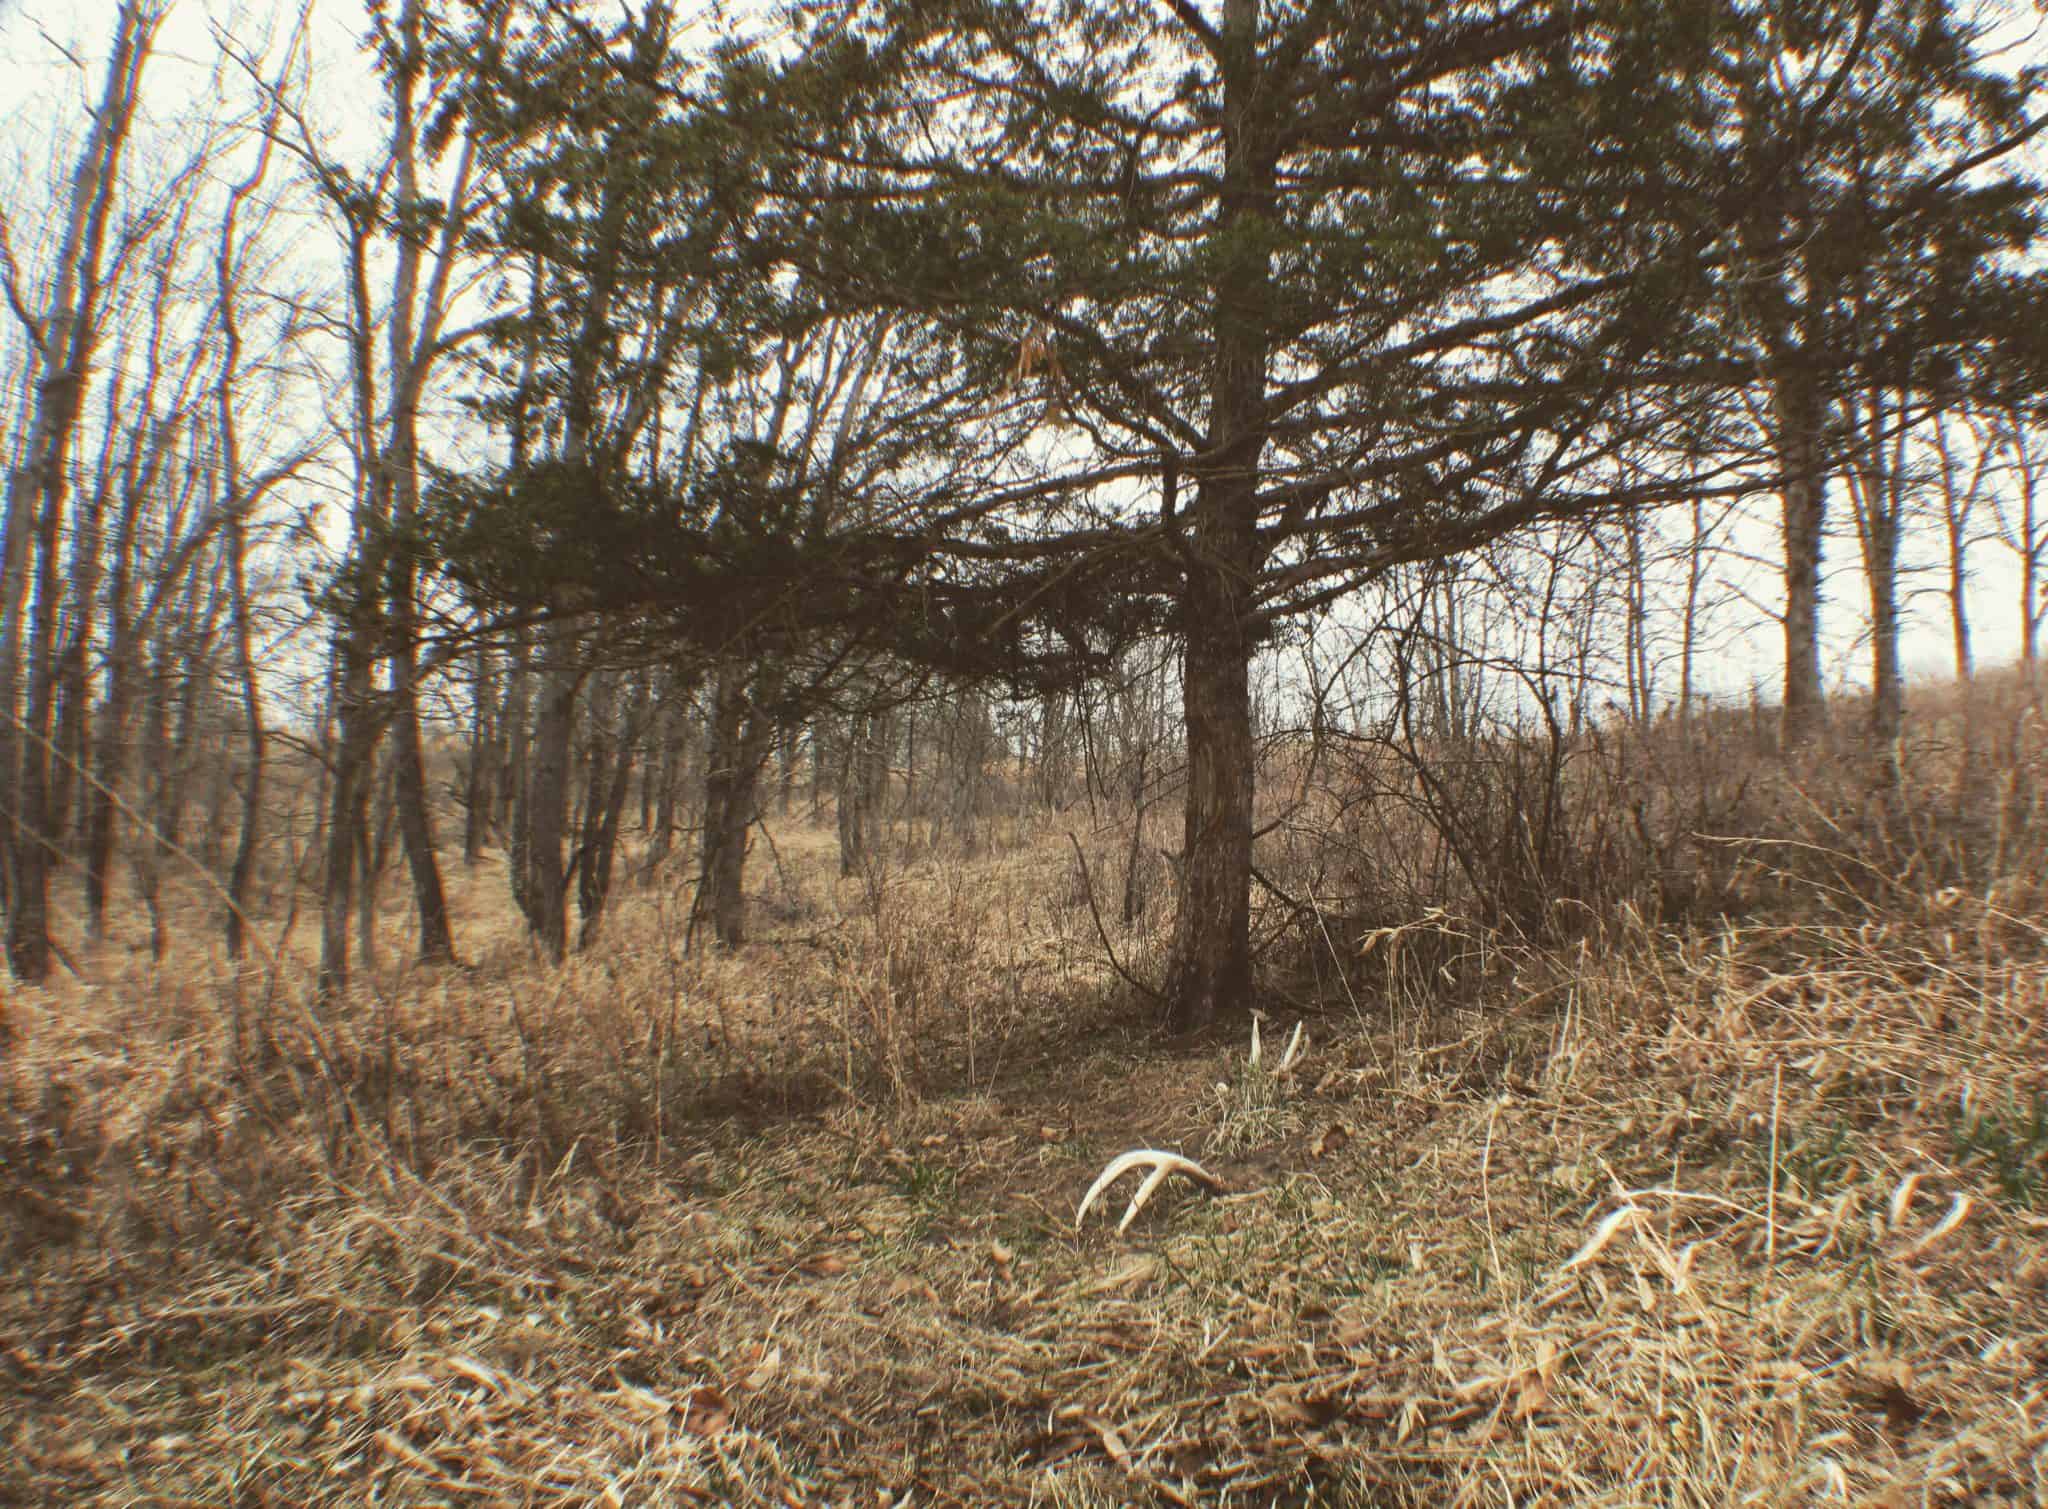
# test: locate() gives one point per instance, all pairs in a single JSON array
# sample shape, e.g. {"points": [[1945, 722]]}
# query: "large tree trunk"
{"points": [[1209, 970], [74, 675], [1210, 967], [1798, 410], [412, 353]]}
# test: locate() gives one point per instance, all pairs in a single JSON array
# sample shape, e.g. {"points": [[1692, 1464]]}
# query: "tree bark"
{"points": [[1878, 486], [411, 355], [236, 503], [348, 798], [478, 788], [1888, 682], [65, 341], [603, 814], [1799, 414], [742, 738], [517, 722], [856, 814], [1209, 968], [547, 802], [1695, 574]]}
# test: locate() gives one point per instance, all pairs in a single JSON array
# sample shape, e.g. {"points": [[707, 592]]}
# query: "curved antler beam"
{"points": [[1161, 1164]]}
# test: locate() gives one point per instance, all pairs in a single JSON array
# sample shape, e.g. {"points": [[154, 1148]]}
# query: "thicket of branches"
{"points": [[930, 412]]}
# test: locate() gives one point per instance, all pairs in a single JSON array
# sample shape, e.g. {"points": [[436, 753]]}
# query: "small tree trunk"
{"points": [[1888, 684], [242, 875], [546, 882], [853, 782], [348, 801], [1694, 575], [479, 794], [602, 817], [515, 722], [415, 821], [63, 366], [1797, 409], [662, 839], [742, 738], [108, 750]]}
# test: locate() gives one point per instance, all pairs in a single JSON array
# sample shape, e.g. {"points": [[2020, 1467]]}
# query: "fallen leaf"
{"points": [[765, 1367], [706, 1412], [1532, 1396], [1410, 1421]]}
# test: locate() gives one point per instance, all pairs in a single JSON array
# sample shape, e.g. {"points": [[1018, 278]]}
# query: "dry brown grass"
{"points": [[1740, 1213]]}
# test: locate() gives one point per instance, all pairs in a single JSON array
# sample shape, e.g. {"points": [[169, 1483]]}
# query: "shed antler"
{"points": [[1161, 1164], [1289, 1060]]}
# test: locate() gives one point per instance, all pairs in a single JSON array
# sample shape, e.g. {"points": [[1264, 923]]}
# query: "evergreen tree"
{"points": [[1201, 315], [1348, 286]]}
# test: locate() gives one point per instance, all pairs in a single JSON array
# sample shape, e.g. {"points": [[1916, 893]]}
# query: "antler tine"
{"points": [[1287, 1059], [1254, 1060]]}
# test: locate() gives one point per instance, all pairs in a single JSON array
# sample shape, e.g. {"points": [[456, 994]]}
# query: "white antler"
{"points": [[1161, 1164], [1287, 1059]]}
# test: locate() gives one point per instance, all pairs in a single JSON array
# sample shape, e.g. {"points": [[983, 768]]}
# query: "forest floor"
{"points": [[1750, 1215]]}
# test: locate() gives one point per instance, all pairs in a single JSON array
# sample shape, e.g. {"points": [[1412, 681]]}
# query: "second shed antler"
{"points": [[1161, 1164], [1289, 1060]]}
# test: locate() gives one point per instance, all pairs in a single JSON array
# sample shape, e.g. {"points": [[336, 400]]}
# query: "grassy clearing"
{"points": [[1750, 1212]]}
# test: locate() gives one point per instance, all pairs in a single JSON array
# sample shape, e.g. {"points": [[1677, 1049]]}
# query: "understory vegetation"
{"points": [[1672, 1128]]}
